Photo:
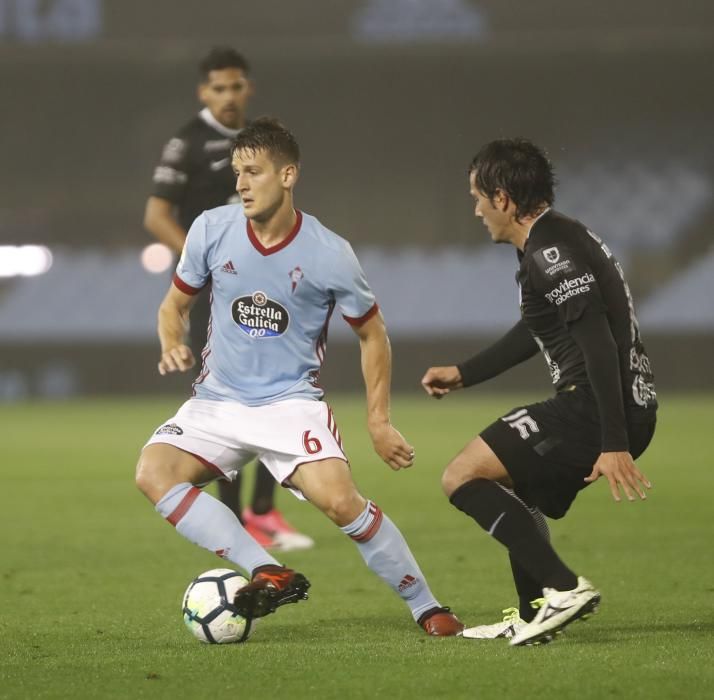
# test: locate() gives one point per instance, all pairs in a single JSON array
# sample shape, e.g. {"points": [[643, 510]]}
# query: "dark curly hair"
{"points": [[518, 168], [269, 135], [220, 57]]}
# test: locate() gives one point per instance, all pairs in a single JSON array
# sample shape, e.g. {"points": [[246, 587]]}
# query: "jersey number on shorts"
{"points": [[311, 444], [522, 422]]}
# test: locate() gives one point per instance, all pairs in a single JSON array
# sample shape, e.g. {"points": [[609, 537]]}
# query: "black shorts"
{"points": [[548, 448]]}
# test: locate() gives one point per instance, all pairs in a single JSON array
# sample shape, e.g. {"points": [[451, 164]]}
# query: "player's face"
{"points": [[263, 184], [226, 93], [495, 213]]}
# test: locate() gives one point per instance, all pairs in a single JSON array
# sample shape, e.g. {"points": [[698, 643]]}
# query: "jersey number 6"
{"points": [[311, 444]]}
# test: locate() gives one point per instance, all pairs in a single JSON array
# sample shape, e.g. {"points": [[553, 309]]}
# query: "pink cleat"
{"points": [[282, 535]]}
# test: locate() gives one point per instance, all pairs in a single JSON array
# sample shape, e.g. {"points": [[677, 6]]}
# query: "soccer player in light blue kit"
{"points": [[277, 275]]}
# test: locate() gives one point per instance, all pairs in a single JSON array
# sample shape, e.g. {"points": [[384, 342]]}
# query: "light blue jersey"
{"points": [[270, 307]]}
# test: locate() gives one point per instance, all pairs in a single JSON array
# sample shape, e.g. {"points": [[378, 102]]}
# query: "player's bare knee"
{"points": [[154, 476], [146, 476], [343, 508], [459, 472], [451, 479]]}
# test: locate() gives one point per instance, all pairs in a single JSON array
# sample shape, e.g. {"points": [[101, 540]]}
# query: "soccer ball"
{"points": [[208, 609]]}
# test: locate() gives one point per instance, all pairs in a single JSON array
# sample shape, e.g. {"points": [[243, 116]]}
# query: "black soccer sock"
{"points": [[527, 588], [508, 520], [229, 494], [263, 491]]}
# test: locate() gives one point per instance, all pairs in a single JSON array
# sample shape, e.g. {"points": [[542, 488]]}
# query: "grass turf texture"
{"points": [[92, 578]]}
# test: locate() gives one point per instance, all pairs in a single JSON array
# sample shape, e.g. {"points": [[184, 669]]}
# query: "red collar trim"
{"points": [[279, 246]]}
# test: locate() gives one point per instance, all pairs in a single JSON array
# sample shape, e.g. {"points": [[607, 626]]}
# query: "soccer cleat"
{"points": [[558, 610], [511, 624], [271, 587], [440, 622], [263, 539], [282, 535]]}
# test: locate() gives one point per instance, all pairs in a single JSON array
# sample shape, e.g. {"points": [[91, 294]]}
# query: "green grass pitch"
{"points": [[91, 577]]}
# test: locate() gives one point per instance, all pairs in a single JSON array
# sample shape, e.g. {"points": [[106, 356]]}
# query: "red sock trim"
{"points": [[371, 531], [182, 508]]}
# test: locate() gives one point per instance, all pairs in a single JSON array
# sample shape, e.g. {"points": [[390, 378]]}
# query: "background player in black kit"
{"points": [[577, 309], [195, 174]]}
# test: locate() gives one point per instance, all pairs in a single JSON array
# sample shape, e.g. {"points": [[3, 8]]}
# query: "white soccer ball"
{"points": [[208, 609]]}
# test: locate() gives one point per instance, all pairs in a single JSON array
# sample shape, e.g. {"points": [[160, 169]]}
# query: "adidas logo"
{"points": [[407, 582], [229, 267]]}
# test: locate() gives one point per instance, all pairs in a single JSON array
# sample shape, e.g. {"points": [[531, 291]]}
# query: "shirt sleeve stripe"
{"points": [[362, 319], [186, 288]]}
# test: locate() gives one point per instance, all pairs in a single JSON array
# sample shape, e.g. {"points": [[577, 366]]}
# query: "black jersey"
{"points": [[567, 271], [195, 170]]}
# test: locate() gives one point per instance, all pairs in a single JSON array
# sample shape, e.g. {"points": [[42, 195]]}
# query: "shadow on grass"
{"points": [[331, 630]]}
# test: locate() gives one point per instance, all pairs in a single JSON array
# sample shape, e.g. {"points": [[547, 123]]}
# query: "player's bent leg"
{"points": [[162, 466], [167, 476], [476, 461], [474, 481], [328, 484]]}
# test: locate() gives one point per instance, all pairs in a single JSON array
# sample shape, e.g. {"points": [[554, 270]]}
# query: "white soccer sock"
{"points": [[205, 521], [386, 552]]}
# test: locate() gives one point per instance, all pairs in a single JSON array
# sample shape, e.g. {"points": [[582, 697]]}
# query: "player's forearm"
{"points": [[594, 338], [377, 373], [172, 325], [160, 223], [510, 350]]}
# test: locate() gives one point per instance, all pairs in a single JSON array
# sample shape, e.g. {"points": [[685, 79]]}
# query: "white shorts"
{"points": [[226, 435]]}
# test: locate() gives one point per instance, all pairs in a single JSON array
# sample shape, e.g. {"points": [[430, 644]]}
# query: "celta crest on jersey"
{"points": [[296, 274], [260, 317]]}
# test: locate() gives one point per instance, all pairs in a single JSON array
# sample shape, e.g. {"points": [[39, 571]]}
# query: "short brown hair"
{"points": [[269, 135]]}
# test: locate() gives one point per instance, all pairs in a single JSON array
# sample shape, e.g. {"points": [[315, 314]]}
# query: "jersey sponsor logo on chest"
{"points": [[260, 317], [570, 288]]}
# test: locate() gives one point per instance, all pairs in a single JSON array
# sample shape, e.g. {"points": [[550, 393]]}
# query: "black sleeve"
{"points": [[515, 347], [172, 173], [594, 338]]}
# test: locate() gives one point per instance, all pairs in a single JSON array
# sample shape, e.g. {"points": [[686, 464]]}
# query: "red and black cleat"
{"points": [[270, 587], [440, 622]]}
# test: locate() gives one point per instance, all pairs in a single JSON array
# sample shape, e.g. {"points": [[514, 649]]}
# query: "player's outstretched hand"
{"points": [[176, 359], [621, 472], [439, 381], [391, 446]]}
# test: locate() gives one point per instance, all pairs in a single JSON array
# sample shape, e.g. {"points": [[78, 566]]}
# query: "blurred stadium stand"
{"points": [[389, 99]]}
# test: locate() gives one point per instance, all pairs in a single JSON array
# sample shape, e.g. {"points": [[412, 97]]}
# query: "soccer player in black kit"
{"points": [[576, 308], [195, 174]]}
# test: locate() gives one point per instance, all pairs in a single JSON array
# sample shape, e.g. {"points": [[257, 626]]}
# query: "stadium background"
{"points": [[389, 100]]}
